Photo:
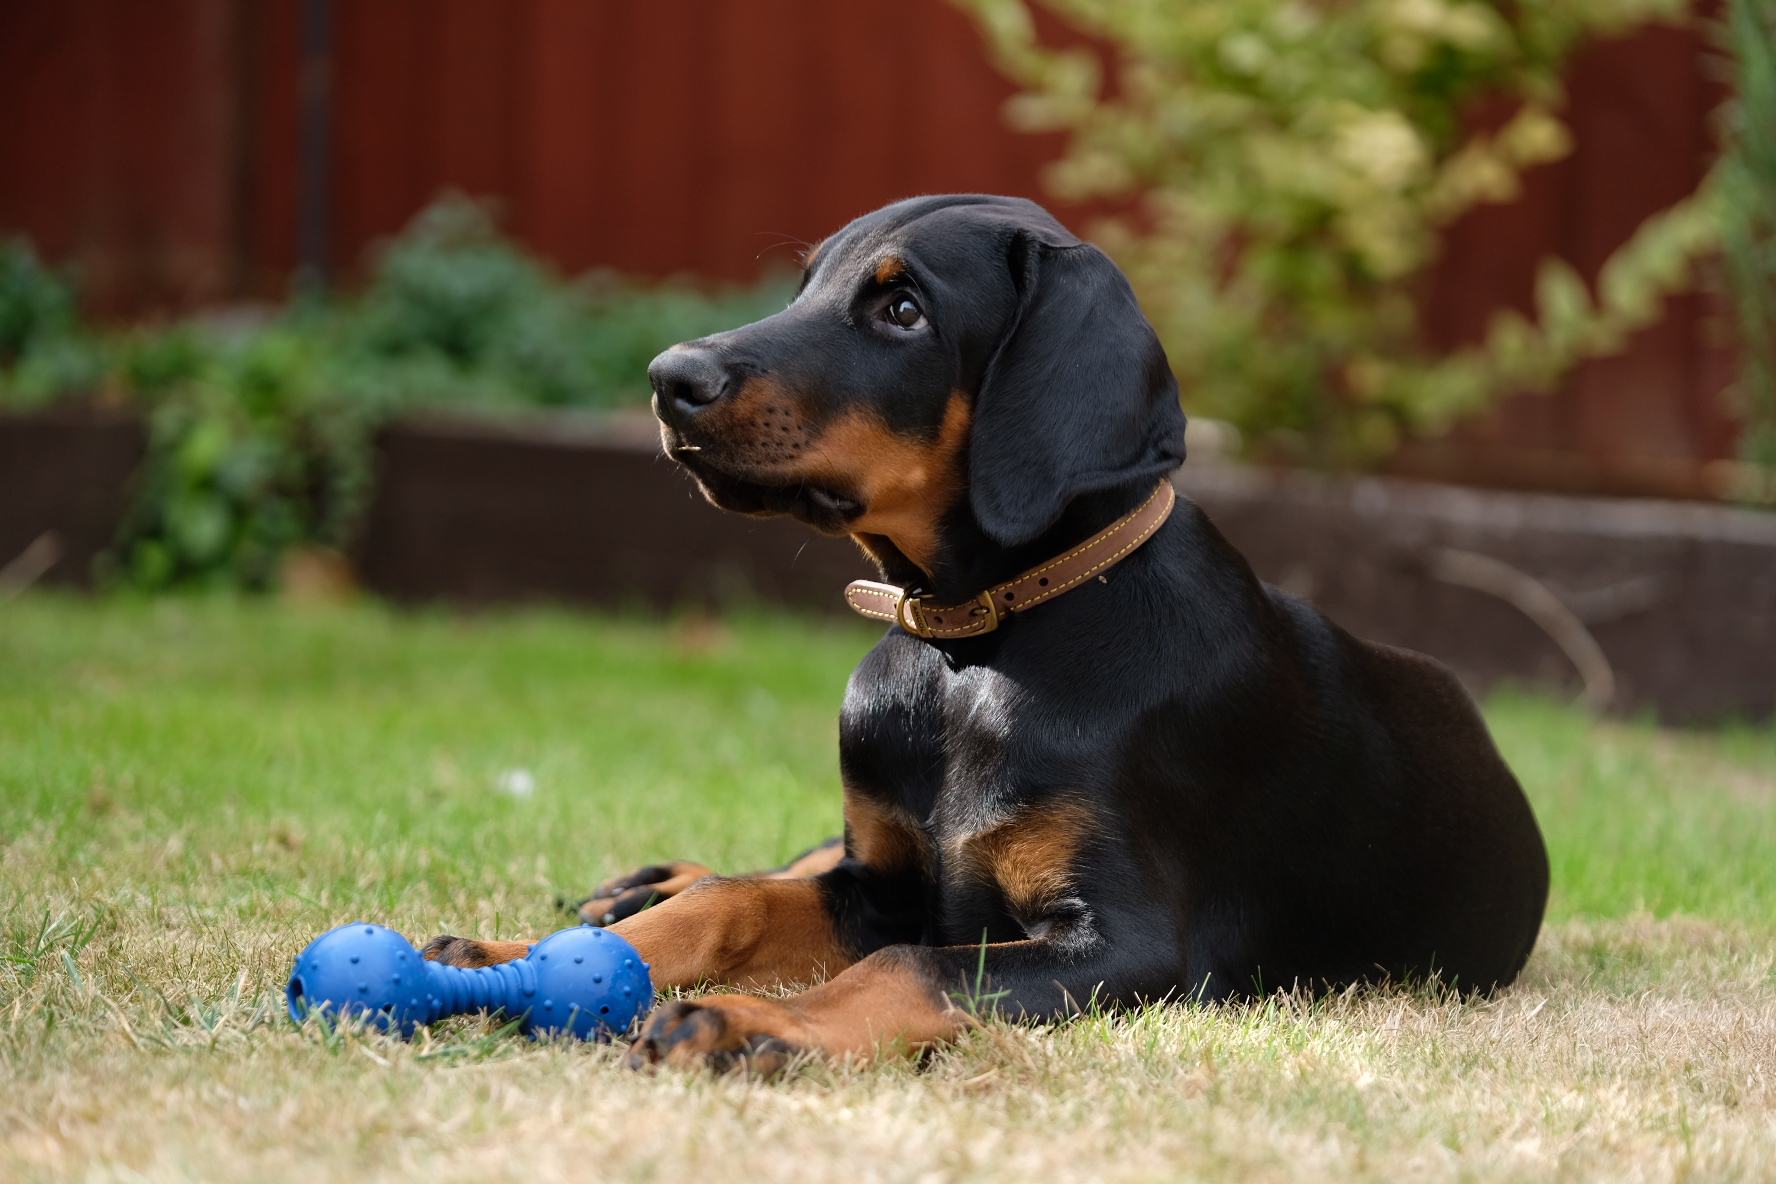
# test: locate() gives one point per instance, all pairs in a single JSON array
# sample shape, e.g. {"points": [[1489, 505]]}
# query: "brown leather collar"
{"points": [[885, 602]]}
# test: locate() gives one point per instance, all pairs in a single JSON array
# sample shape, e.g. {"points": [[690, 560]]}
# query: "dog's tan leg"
{"points": [[739, 931], [796, 920], [643, 888], [809, 863], [623, 897], [890, 1004]]}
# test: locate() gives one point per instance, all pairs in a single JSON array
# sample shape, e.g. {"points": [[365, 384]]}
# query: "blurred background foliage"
{"points": [[261, 422], [1286, 167], [1747, 186]]}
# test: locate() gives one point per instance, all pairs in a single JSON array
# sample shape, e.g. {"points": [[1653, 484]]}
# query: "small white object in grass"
{"points": [[517, 782]]}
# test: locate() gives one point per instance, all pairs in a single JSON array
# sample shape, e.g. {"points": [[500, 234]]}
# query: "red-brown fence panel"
{"points": [[157, 145]]}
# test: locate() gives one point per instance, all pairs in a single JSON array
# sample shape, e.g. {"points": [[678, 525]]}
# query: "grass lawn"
{"points": [[190, 790]]}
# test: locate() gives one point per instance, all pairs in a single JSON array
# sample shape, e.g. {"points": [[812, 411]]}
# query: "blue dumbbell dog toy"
{"points": [[585, 982]]}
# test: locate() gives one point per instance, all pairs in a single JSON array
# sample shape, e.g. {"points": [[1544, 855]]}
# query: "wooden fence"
{"points": [[159, 146]]}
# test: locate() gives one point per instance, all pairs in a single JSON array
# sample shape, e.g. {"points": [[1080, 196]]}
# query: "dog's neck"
{"points": [[967, 559]]}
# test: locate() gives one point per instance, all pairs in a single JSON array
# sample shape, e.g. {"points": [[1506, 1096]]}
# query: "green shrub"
{"points": [[457, 313], [1289, 164], [35, 305], [250, 452], [1748, 219], [43, 350]]}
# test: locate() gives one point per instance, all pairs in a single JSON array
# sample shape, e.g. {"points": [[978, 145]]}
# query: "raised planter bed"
{"points": [[1680, 597], [1676, 600], [65, 482], [573, 509]]}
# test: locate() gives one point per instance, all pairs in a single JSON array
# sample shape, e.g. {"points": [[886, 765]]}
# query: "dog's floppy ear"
{"points": [[1078, 396]]}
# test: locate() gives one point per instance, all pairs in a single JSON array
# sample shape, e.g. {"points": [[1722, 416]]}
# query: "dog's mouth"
{"points": [[826, 509]]}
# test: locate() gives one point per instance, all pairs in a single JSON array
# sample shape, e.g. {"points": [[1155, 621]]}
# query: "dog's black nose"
{"points": [[687, 380]]}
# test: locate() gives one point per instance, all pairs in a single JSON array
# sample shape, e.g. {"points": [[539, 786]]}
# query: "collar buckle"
{"points": [[906, 613], [982, 613], [968, 619], [987, 608]]}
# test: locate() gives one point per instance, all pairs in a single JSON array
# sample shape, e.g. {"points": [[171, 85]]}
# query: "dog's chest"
{"points": [[915, 731], [989, 773]]}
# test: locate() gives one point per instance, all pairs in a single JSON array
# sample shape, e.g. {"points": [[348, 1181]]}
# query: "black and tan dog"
{"points": [[1165, 779]]}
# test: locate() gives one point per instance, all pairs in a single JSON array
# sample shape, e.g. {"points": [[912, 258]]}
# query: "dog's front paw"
{"points": [[469, 953], [614, 900], [725, 1033]]}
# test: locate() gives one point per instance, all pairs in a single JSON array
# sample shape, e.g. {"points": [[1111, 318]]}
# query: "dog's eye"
{"points": [[905, 312]]}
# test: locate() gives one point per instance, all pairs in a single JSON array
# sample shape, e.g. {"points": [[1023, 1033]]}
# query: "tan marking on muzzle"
{"points": [[760, 426], [906, 484]]}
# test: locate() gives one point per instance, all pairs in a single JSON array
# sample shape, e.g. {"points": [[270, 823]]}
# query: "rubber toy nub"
{"points": [[583, 982]]}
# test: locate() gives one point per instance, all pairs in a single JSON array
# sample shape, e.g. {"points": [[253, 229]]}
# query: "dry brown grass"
{"points": [[1634, 1050], [190, 791]]}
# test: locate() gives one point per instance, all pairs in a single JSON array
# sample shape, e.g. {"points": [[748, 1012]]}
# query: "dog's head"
{"points": [[948, 364]]}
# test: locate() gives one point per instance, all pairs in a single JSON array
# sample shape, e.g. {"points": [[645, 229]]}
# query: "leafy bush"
{"points": [[43, 350], [250, 451], [260, 435], [35, 305], [1289, 164], [1748, 220], [456, 313]]}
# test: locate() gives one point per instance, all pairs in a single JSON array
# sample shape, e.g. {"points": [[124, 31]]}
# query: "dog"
{"points": [[1166, 780]]}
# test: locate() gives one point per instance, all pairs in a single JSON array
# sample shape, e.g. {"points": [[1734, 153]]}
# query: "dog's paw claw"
{"points": [[686, 1034], [623, 897]]}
